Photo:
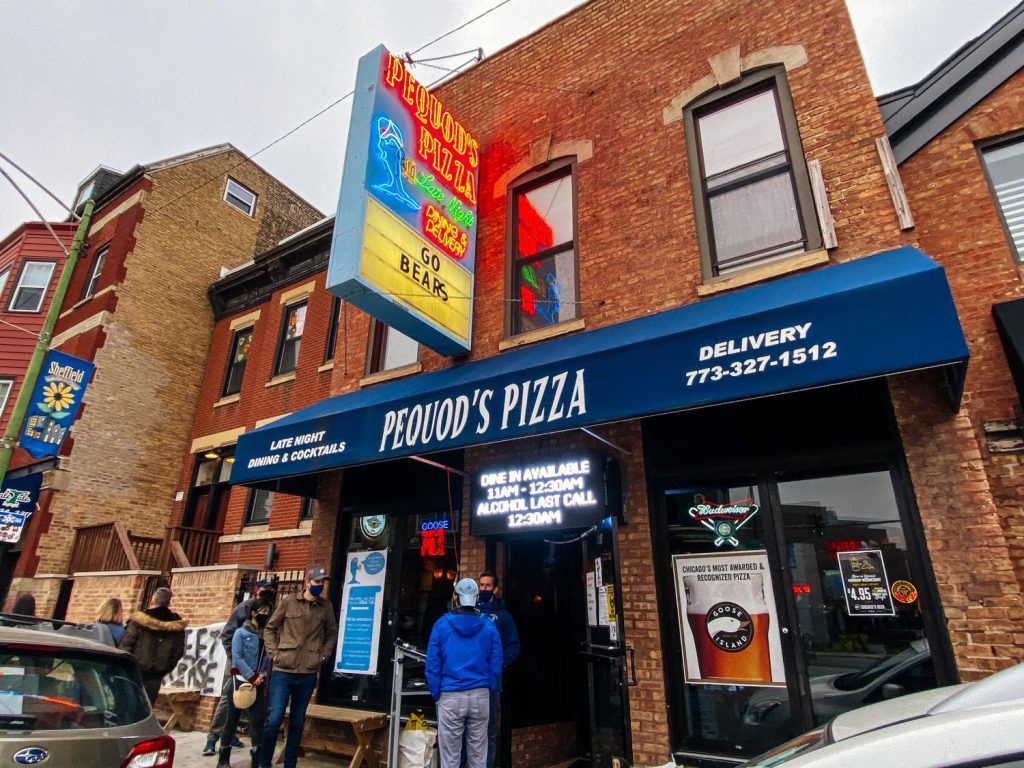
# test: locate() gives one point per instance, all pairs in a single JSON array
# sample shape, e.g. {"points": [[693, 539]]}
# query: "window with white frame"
{"points": [[94, 274], [1004, 164], [242, 198], [4, 274], [30, 292], [6, 385]]}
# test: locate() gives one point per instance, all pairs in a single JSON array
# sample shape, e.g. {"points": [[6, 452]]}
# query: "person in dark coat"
{"points": [[489, 604], [156, 637]]}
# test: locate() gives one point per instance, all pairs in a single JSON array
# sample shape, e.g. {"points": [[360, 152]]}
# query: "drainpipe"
{"points": [[10, 438]]}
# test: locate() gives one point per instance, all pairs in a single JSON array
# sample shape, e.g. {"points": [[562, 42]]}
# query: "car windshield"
{"points": [[46, 688], [852, 681], [783, 753]]}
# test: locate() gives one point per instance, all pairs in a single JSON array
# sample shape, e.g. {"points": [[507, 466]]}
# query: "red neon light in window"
{"points": [[801, 589], [432, 543]]}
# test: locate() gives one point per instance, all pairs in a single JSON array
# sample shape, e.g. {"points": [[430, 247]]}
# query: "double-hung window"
{"points": [[240, 343], [30, 292], [94, 274], [752, 193], [240, 197], [390, 349], [292, 326], [1004, 164], [543, 275]]}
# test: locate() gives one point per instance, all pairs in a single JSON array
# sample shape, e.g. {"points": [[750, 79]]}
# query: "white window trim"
{"points": [[21, 280], [99, 261], [234, 194], [6, 395], [5, 275]]}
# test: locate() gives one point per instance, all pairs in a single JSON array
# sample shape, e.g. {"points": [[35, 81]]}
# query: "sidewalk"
{"points": [[189, 754]]}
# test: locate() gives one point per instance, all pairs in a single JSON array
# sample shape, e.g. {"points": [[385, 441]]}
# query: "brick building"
{"points": [[136, 306], [713, 426]]}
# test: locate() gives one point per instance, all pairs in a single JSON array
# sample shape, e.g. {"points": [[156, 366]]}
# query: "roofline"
{"points": [[297, 242], [955, 86], [70, 226]]}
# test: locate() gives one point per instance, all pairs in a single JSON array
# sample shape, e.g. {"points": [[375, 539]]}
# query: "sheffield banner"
{"points": [[404, 243], [18, 499], [362, 603], [55, 403]]}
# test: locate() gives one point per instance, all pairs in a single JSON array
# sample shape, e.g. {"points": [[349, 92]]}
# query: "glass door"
{"points": [[604, 651], [859, 619]]}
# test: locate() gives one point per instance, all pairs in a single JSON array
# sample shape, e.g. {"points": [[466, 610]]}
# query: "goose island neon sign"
{"points": [[404, 247]]}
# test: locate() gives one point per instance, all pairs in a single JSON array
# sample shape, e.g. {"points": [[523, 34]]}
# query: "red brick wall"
{"points": [[91, 591], [982, 270]]}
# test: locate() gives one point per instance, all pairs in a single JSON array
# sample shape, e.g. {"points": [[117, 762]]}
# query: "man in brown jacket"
{"points": [[156, 637], [298, 638]]}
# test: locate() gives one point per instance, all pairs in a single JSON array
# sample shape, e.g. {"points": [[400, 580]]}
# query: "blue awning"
{"points": [[879, 315]]}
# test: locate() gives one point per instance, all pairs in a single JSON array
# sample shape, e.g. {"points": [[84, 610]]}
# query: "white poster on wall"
{"points": [[728, 620], [362, 603], [204, 663]]}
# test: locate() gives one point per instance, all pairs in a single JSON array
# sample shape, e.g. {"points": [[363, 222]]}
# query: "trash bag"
{"points": [[416, 744]]}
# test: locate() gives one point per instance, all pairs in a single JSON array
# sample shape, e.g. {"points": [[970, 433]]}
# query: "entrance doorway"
{"points": [[793, 576], [566, 696]]}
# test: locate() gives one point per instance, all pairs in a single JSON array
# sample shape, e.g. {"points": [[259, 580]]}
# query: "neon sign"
{"points": [[404, 247], [432, 533]]}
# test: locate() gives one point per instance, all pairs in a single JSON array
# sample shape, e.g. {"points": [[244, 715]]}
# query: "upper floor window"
{"points": [[240, 343], [752, 194], [6, 385], [30, 292], [291, 338], [332, 330], [1005, 166], [389, 349], [543, 275], [3, 281], [242, 198], [94, 274]]}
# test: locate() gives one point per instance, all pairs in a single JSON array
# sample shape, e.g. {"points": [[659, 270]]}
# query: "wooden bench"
{"points": [[182, 705], [364, 725]]}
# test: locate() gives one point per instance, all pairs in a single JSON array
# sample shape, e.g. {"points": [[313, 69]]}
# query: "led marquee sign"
{"points": [[404, 246], [549, 494]]}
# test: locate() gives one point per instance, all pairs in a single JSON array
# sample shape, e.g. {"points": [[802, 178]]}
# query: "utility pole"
{"points": [[10, 438]]}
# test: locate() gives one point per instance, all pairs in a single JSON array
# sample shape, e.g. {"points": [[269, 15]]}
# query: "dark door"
{"points": [[797, 599], [604, 650]]}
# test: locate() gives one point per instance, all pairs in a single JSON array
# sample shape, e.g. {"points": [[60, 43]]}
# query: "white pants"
{"points": [[463, 713]]}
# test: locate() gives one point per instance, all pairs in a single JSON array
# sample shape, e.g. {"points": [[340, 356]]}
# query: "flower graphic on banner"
{"points": [[58, 396]]}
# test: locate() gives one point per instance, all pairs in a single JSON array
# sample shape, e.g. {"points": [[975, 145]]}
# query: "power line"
{"points": [[461, 26], [24, 330], [39, 184], [33, 207], [487, 78]]}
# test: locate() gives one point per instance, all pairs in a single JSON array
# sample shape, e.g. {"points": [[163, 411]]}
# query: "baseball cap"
{"points": [[264, 583], [316, 572], [467, 591]]}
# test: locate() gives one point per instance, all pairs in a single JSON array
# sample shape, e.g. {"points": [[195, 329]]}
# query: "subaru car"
{"points": [[70, 701], [970, 725]]}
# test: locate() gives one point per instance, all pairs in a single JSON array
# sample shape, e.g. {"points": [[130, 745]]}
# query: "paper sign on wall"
{"points": [[591, 600], [362, 603], [865, 583], [728, 619]]}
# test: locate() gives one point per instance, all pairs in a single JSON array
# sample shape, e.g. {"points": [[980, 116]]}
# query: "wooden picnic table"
{"points": [[364, 725]]}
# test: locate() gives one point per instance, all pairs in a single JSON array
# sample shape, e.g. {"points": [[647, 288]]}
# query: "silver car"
{"points": [[69, 701], [976, 724]]}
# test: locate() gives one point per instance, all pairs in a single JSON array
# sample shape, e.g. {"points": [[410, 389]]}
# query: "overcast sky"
{"points": [[123, 83]]}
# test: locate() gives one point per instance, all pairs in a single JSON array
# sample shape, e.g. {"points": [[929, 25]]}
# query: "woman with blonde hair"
{"points": [[112, 616]]}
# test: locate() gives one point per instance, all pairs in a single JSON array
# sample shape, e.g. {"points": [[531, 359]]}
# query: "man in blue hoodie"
{"points": [[491, 605], [463, 668]]}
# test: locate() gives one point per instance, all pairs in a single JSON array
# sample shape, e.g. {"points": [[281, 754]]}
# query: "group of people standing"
{"points": [[278, 647]]}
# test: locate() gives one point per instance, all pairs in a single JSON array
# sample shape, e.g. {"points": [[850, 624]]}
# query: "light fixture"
{"points": [[438, 573], [230, 459], [213, 453]]}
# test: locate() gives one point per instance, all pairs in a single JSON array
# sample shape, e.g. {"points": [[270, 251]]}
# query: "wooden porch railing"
{"points": [[112, 547], [186, 547]]}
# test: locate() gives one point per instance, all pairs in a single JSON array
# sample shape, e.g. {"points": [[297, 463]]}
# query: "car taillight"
{"points": [[156, 753]]}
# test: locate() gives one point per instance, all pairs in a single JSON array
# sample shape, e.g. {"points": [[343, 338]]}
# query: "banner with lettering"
{"points": [[18, 499], [55, 403], [362, 603]]}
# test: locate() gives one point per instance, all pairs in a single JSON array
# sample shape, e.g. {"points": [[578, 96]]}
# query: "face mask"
{"points": [[316, 589], [486, 595], [262, 619]]}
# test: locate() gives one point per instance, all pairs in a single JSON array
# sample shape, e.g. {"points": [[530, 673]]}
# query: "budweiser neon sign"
{"points": [[723, 520]]}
